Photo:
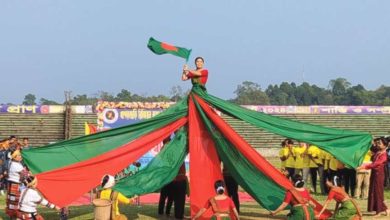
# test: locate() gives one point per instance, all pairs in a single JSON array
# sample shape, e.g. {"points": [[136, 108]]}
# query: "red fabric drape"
{"points": [[64, 185], [250, 153], [205, 166]]}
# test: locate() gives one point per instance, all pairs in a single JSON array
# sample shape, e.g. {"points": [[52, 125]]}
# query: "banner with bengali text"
{"points": [[116, 114], [44, 109], [321, 109]]}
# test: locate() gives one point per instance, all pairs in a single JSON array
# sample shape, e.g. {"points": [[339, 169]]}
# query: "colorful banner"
{"points": [[114, 118], [101, 105], [123, 113], [44, 109], [320, 110], [117, 114]]}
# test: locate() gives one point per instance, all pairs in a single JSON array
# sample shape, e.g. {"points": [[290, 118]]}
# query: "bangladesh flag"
{"points": [[159, 48]]}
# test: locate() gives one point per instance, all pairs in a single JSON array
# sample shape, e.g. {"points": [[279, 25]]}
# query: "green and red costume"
{"points": [[300, 207], [202, 79], [347, 209]]}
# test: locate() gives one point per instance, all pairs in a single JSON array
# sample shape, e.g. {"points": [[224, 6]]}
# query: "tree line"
{"points": [[339, 92]]}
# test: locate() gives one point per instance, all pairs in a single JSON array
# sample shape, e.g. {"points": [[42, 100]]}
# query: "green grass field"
{"points": [[249, 210]]}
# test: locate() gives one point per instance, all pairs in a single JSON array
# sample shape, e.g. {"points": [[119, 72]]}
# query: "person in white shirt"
{"points": [[29, 200], [15, 170]]}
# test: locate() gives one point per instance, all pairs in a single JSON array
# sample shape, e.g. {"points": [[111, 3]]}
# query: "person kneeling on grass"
{"points": [[299, 200], [348, 209], [29, 200], [221, 204], [108, 193]]}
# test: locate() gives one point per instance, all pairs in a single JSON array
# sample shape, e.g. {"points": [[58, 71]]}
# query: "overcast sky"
{"points": [[47, 47]]}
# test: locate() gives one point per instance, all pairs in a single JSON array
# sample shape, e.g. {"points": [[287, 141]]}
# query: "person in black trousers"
{"points": [[166, 198], [166, 193], [232, 188], [349, 180], [179, 189]]}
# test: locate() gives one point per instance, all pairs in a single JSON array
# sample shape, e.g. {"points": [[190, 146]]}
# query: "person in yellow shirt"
{"points": [[306, 163], [281, 156], [288, 157], [315, 162], [299, 152], [108, 193], [363, 178]]}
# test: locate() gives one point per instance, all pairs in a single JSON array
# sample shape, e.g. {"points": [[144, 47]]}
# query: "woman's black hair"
{"points": [[219, 186], [289, 141], [137, 164], [298, 181], [383, 140], [28, 180], [105, 180], [283, 143], [199, 58], [336, 181]]}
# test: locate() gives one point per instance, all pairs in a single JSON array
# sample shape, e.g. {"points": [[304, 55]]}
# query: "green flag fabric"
{"points": [[347, 146], [160, 48], [68, 152], [160, 171]]}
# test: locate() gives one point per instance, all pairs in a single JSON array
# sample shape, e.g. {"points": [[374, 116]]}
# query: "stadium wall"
{"points": [[45, 124]]}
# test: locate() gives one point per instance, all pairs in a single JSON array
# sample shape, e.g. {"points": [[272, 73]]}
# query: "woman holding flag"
{"points": [[198, 76]]}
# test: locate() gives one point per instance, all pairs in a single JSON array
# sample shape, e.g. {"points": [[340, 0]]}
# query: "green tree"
{"points": [[357, 95], [321, 96], [137, 98], [176, 93], [290, 90], [339, 88], [44, 101], [249, 93], [381, 94], [83, 100], [304, 94], [29, 99], [105, 96], [386, 101], [124, 95], [276, 95]]}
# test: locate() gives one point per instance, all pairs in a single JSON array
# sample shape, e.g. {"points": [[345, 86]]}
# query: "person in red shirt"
{"points": [[221, 204], [348, 209], [198, 76], [299, 200]]}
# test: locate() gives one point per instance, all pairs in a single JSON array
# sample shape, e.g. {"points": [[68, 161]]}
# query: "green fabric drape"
{"points": [[78, 149], [264, 190], [347, 146], [160, 171]]}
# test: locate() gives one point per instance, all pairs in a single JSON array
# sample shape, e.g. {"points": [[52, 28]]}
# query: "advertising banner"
{"points": [[44, 109], [320, 110], [116, 114]]}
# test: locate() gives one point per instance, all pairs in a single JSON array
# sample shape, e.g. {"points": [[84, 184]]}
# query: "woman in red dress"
{"points": [[299, 200], [198, 76], [221, 204], [376, 192], [346, 207]]}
